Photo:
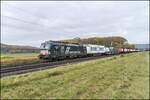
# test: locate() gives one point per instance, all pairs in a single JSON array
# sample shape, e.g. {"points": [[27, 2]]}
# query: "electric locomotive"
{"points": [[60, 50]]}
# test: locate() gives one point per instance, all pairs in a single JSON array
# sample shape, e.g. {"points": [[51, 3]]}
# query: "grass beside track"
{"points": [[8, 60], [125, 76]]}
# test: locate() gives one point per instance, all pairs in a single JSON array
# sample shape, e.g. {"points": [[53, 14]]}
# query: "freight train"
{"points": [[55, 50]]}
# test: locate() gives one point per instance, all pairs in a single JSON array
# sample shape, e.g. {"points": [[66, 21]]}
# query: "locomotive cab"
{"points": [[54, 50], [45, 50]]}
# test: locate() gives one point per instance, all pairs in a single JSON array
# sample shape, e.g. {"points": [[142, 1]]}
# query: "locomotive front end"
{"points": [[45, 51]]}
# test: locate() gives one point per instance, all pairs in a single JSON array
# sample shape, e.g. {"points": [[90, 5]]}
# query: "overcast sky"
{"points": [[32, 22]]}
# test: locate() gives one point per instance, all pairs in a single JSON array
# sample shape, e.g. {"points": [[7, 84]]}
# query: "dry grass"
{"points": [[9, 60], [120, 77]]}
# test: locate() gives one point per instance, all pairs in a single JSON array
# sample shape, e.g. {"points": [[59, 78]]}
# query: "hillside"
{"points": [[115, 41], [18, 49], [119, 77]]}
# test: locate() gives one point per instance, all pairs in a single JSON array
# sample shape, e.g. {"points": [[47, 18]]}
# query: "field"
{"points": [[8, 60], [119, 77]]}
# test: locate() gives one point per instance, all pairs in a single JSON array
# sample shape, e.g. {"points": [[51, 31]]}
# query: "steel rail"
{"points": [[41, 66]]}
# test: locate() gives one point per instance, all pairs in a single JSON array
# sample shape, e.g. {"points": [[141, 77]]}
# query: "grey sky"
{"points": [[32, 22]]}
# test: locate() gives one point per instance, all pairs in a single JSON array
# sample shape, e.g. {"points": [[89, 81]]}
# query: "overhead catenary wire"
{"points": [[27, 12], [23, 21], [41, 26], [24, 11], [17, 19]]}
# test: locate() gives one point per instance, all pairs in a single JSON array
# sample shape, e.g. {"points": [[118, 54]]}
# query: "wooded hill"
{"points": [[115, 41], [107, 41], [18, 49]]}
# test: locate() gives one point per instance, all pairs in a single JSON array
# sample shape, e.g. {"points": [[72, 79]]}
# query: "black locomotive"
{"points": [[60, 50]]}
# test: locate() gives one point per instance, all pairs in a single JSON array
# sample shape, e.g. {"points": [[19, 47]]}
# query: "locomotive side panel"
{"points": [[62, 51]]}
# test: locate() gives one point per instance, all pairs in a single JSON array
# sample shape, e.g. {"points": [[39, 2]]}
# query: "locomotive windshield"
{"points": [[45, 46]]}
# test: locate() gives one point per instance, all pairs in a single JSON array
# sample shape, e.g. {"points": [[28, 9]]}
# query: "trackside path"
{"points": [[120, 77]]}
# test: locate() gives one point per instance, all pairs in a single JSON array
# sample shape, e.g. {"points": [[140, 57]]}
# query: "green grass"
{"points": [[120, 77], [17, 55], [8, 60]]}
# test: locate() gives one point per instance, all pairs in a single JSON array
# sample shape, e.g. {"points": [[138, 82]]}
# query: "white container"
{"points": [[95, 49]]}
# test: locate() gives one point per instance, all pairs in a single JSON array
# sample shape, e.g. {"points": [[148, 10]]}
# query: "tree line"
{"points": [[116, 41]]}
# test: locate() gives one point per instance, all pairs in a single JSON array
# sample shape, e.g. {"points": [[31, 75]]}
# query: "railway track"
{"points": [[41, 66]]}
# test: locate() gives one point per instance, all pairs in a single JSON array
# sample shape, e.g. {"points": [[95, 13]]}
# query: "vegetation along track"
{"points": [[44, 65]]}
